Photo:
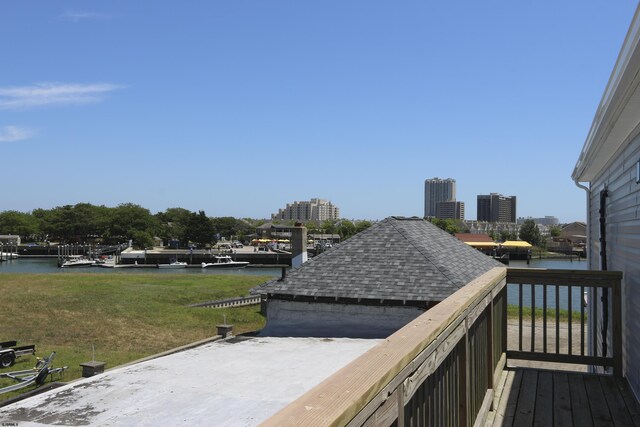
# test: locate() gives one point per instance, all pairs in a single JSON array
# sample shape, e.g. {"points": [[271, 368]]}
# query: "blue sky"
{"points": [[239, 107]]}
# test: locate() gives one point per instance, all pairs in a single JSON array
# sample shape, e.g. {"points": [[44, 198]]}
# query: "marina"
{"points": [[50, 265]]}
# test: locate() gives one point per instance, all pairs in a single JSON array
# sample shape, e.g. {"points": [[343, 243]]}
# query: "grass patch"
{"points": [[125, 317], [512, 313]]}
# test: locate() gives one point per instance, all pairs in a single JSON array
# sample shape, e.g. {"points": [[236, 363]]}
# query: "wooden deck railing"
{"points": [[441, 368], [437, 368], [554, 327]]}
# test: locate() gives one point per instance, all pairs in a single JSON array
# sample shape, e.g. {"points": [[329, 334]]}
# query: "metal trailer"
{"points": [[10, 351], [37, 375]]}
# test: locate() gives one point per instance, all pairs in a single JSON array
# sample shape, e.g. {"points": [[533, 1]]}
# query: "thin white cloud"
{"points": [[14, 133], [75, 16], [42, 94]]}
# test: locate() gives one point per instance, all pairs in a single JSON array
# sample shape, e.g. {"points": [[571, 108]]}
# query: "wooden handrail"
{"points": [[544, 276]]}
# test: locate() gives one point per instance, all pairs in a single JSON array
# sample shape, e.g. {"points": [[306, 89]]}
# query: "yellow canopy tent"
{"points": [[482, 244], [516, 244]]}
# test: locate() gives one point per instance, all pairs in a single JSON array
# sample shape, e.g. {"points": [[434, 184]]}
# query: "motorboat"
{"points": [[77, 261], [224, 261], [106, 262], [174, 264], [8, 255]]}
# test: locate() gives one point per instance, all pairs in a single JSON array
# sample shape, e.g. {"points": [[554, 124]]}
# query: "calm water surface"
{"points": [[559, 264], [50, 265]]}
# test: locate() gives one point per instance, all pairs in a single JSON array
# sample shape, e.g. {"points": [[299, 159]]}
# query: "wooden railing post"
{"points": [[463, 376], [490, 361], [400, 392], [617, 329], [504, 319]]}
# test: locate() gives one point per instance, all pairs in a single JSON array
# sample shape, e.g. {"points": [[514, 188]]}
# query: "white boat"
{"points": [[77, 261], [224, 261], [174, 264], [109, 262], [8, 255]]}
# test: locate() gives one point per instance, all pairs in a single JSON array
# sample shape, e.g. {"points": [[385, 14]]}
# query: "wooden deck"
{"points": [[528, 397], [447, 367]]}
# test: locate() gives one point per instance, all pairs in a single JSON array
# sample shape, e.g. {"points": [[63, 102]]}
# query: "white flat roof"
{"points": [[235, 382]]}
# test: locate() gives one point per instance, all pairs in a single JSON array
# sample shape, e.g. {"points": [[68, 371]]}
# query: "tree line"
{"points": [[87, 223], [529, 231]]}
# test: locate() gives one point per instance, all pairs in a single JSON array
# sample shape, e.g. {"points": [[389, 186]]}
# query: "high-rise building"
{"points": [[495, 207], [313, 210], [450, 209], [437, 190]]}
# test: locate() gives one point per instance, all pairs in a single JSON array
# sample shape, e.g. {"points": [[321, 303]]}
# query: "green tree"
{"points": [[362, 225], [56, 223], [346, 229], [508, 235], [200, 229], [554, 231], [228, 226], [18, 223], [86, 221], [173, 224], [329, 226], [449, 225], [142, 239], [77, 223], [529, 232], [129, 220]]}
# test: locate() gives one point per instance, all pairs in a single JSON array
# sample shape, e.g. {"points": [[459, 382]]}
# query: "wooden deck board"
{"points": [[632, 404], [616, 403], [527, 401], [558, 398], [581, 417], [597, 402], [561, 400], [512, 398], [544, 400]]}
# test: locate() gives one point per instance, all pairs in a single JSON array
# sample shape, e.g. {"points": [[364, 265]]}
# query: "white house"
{"points": [[608, 169]]}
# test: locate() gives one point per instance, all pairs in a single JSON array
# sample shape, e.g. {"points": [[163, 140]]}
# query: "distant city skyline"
{"points": [[237, 108]]}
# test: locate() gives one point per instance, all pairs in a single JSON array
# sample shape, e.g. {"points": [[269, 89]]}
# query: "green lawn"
{"points": [[125, 317], [512, 312]]}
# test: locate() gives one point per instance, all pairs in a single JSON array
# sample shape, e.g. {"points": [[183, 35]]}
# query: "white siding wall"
{"points": [[623, 246]]}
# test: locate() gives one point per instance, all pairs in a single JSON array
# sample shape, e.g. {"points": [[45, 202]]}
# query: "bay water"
{"points": [[559, 264]]}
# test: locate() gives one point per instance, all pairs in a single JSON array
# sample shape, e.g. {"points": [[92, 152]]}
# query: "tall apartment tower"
{"points": [[496, 208], [451, 209], [437, 190], [314, 210]]}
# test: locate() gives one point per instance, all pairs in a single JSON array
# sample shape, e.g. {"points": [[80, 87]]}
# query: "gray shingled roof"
{"points": [[406, 259]]}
